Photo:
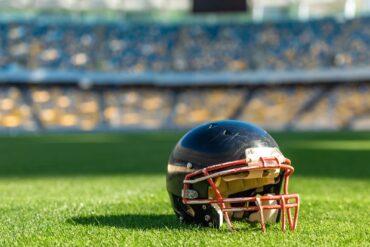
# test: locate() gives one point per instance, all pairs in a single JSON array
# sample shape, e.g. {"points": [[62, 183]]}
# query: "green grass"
{"points": [[109, 189]]}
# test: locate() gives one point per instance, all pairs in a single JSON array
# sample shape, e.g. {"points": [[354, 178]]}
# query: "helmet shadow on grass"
{"points": [[147, 222], [129, 221]]}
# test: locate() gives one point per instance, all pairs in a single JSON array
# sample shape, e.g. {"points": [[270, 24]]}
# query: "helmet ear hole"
{"points": [[183, 212], [190, 211]]}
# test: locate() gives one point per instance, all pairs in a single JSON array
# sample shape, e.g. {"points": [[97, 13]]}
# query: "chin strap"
{"points": [[220, 214]]}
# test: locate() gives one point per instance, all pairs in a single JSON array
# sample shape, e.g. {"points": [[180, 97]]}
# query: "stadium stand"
{"points": [[137, 108], [138, 47], [60, 107], [202, 105], [14, 111], [300, 107], [60, 46], [337, 108], [276, 107]]}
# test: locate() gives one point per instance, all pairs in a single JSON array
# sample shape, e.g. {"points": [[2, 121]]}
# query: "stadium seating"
{"points": [[14, 111], [144, 47], [341, 105], [276, 107], [197, 106], [137, 108], [60, 107], [139, 47], [74, 108], [294, 106]]}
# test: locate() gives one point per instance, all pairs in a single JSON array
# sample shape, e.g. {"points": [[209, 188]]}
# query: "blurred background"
{"points": [[103, 65]]}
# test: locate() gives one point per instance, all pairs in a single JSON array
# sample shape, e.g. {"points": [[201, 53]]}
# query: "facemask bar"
{"points": [[285, 203]]}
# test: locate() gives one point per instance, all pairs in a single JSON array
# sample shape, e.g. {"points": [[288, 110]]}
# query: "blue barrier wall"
{"points": [[187, 78]]}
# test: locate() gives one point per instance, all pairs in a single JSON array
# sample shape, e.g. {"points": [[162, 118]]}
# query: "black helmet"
{"points": [[230, 170]]}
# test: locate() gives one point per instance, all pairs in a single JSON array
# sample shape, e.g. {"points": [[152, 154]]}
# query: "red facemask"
{"points": [[284, 202]]}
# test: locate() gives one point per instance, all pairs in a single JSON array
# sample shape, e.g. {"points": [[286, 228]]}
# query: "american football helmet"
{"points": [[230, 170]]}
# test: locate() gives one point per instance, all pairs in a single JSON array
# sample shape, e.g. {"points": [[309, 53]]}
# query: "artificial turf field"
{"points": [[109, 189]]}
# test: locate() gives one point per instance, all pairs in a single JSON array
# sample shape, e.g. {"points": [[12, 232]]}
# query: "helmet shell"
{"points": [[206, 145]]}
